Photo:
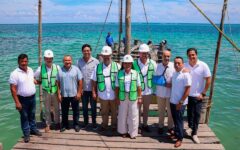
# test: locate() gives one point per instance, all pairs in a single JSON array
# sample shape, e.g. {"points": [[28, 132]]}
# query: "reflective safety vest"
{"points": [[101, 77], [49, 85], [149, 74], [133, 85]]}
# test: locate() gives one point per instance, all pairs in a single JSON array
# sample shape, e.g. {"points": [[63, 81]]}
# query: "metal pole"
{"points": [[219, 30], [216, 61], [40, 49], [128, 27]]}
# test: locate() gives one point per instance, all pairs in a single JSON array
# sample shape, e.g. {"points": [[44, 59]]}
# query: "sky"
{"points": [[75, 11]]}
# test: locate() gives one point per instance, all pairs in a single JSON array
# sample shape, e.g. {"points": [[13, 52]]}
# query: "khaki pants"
{"points": [[50, 101], [147, 99], [164, 103], [106, 107]]}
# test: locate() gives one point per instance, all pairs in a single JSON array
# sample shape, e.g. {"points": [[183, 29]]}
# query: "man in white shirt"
{"points": [[22, 85], [181, 82], [166, 68], [146, 68], [103, 86], [201, 80], [46, 76]]}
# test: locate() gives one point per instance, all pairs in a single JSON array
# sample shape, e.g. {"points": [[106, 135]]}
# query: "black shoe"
{"points": [[146, 128], [77, 128], [26, 139], [160, 131], [101, 129], [37, 133], [94, 127], [57, 126], [62, 129]]}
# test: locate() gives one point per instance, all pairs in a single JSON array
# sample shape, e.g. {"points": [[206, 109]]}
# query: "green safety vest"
{"points": [[49, 86], [149, 74], [101, 77], [133, 85]]}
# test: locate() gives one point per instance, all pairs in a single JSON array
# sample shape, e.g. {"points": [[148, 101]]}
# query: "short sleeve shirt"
{"points": [[198, 72], [69, 81], [87, 68], [180, 81], [24, 81]]}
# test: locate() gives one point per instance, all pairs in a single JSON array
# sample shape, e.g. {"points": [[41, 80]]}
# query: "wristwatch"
{"points": [[203, 94], [181, 102]]}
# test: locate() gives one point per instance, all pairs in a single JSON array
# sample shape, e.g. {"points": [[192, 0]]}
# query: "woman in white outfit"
{"points": [[128, 96]]}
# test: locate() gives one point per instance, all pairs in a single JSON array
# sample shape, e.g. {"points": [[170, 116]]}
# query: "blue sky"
{"points": [[159, 11]]}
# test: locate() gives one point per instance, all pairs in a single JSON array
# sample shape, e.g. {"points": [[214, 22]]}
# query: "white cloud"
{"points": [[25, 11]]}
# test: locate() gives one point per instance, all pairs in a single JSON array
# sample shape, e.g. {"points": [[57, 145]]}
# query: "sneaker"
{"points": [[37, 133], [160, 131], [26, 139], [188, 132], [146, 128], [77, 128], [195, 139]]}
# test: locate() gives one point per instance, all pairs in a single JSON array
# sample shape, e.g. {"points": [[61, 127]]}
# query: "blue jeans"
{"points": [[178, 120], [194, 113], [86, 98], [27, 114], [65, 109]]}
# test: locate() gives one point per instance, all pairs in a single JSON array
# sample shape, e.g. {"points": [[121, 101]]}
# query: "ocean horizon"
{"points": [[67, 38]]}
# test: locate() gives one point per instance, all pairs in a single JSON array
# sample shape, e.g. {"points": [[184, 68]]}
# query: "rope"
{"points": [[148, 27], [236, 57], [99, 38]]}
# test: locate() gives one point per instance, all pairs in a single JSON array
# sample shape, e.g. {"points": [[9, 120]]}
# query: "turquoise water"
{"points": [[68, 39]]}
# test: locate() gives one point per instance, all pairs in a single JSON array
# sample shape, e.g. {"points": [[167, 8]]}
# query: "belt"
{"points": [[26, 96]]}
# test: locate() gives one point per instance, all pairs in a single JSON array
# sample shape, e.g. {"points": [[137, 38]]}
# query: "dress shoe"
{"points": [[160, 131], [37, 133], [178, 143], [62, 129], [146, 128], [101, 129], [26, 139], [77, 128]]}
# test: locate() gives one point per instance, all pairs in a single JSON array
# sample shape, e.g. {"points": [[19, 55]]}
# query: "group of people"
{"points": [[122, 91]]}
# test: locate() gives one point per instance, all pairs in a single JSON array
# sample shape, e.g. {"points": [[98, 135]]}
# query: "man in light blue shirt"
{"points": [[69, 80]]}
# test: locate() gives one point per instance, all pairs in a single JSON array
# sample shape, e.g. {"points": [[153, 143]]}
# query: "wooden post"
{"points": [[219, 30], [216, 61], [120, 29], [128, 27], [40, 49]]}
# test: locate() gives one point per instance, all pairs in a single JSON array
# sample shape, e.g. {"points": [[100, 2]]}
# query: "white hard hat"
{"points": [[144, 48], [48, 53], [106, 50], [127, 59]]}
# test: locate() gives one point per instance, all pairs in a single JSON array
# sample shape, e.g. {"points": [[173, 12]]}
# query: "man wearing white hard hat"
{"points": [[128, 96], [46, 76], [103, 86], [146, 68]]}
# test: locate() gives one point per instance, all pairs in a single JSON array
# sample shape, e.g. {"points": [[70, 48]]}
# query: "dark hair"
{"points": [[22, 56], [86, 45], [179, 57], [192, 49]]}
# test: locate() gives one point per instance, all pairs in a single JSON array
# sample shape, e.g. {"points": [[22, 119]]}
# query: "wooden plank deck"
{"points": [[88, 139]]}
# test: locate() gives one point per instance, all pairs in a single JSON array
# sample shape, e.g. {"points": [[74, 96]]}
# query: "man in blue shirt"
{"points": [[69, 80], [109, 40]]}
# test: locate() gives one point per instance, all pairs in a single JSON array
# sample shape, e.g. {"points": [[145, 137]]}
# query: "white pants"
{"points": [[128, 117], [164, 103], [50, 101]]}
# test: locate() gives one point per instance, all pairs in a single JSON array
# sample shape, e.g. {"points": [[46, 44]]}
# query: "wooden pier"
{"points": [[88, 139]]}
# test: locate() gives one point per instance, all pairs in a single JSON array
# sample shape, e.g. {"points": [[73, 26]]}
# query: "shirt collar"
{"points": [[20, 70], [90, 60], [139, 61], [66, 69]]}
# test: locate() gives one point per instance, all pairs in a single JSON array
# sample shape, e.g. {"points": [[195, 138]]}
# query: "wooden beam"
{"points": [[216, 60], [128, 27]]}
